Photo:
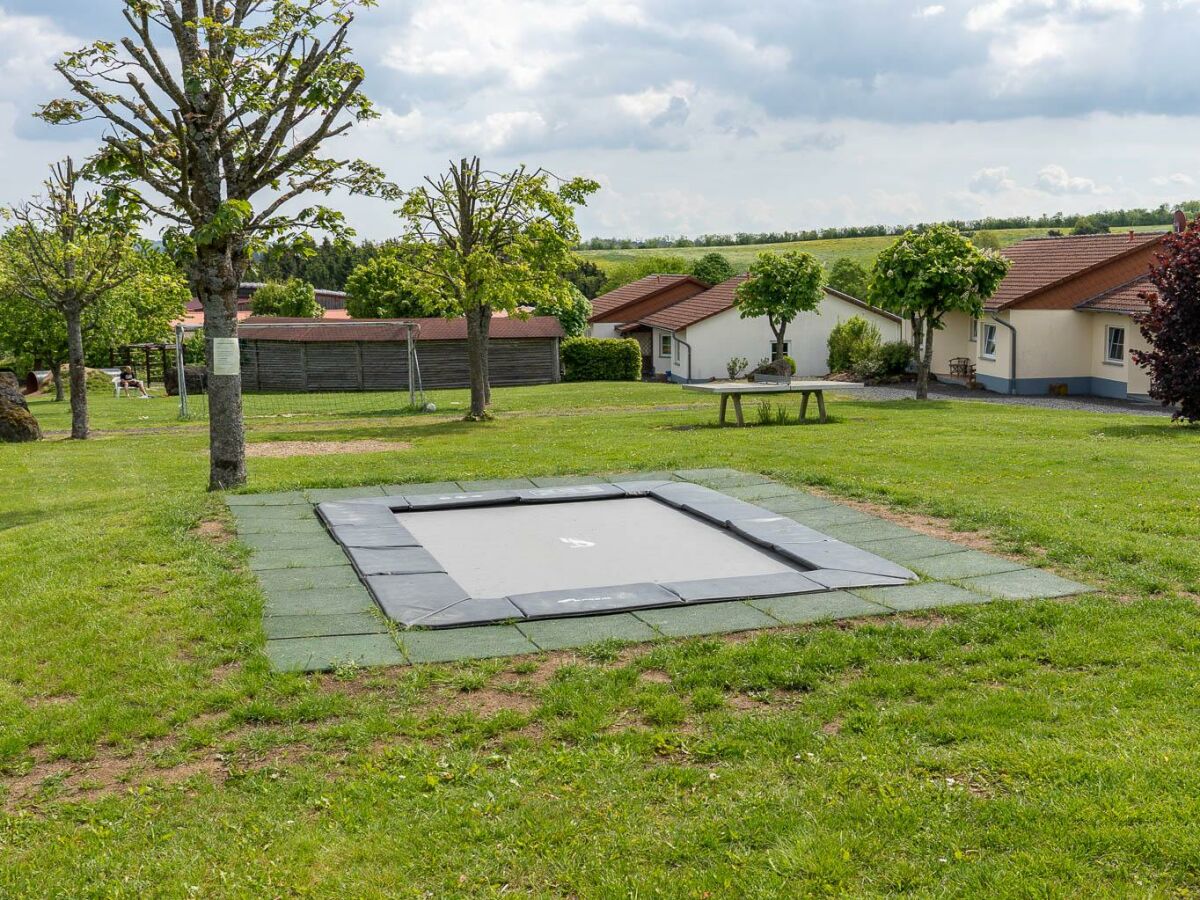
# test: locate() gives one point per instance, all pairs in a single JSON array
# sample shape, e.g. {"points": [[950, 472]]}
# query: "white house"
{"points": [[693, 338]]}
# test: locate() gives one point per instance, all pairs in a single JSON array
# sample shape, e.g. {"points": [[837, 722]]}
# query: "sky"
{"points": [[709, 116]]}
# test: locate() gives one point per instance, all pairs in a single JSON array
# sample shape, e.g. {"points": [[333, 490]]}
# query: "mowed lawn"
{"points": [[860, 249], [1025, 748]]}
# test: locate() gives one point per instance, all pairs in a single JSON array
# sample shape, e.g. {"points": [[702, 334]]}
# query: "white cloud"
{"points": [[991, 180], [1054, 179], [668, 105], [29, 45], [929, 12], [1179, 179]]}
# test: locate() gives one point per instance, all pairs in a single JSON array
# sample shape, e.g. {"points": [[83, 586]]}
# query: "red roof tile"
{"points": [[695, 309], [261, 328], [1038, 263], [637, 290], [1123, 299]]}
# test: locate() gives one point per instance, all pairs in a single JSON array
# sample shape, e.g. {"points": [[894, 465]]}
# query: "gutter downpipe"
{"points": [[675, 337], [1012, 378]]}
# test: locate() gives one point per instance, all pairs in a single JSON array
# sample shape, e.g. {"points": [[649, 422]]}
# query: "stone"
{"points": [[17, 423]]}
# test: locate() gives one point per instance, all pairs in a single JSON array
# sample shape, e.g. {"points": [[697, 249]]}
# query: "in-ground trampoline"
{"points": [[455, 559]]}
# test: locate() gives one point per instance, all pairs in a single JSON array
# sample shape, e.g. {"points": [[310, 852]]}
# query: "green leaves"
{"points": [[231, 217], [781, 286]]}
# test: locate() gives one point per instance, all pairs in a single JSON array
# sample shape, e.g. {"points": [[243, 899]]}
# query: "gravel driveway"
{"points": [[956, 392]]}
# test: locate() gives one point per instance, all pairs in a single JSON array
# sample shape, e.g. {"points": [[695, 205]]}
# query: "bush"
{"points": [[292, 298], [851, 343], [883, 361], [601, 359], [713, 268], [736, 366]]}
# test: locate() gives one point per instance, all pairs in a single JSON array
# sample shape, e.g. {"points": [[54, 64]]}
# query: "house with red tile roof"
{"points": [[694, 337], [1061, 319]]}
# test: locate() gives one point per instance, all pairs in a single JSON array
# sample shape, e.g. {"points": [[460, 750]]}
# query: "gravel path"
{"points": [[956, 392]]}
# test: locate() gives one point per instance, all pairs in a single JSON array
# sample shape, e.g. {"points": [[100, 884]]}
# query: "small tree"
{"points": [[381, 288], [1172, 325], [925, 276], [849, 277], [572, 312], [780, 287], [588, 277], [850, 342], [211, 106], [713, 268], [66, 253], [480, 241], [292, 298]]}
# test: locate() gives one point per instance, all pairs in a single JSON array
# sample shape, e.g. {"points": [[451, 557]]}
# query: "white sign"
{"points": [[226, 360]]}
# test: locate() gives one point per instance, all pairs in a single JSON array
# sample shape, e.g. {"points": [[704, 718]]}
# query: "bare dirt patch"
{"points": [[214, 530], [285, 449]]}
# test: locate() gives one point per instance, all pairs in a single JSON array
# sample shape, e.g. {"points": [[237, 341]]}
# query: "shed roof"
{"points": [[261, 328], [639, 290], [1126, 298], [1041, 263]]}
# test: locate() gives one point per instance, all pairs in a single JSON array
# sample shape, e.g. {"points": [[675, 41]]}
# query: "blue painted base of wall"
{"points": [[1081, 386]]}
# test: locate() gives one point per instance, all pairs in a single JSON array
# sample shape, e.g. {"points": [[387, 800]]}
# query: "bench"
{"points": [[735, 390]]}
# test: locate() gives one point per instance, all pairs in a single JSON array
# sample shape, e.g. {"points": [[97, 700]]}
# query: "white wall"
{"points": [[603, 330], [715, 340]]}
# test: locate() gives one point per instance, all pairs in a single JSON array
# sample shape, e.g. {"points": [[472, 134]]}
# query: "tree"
{"points": [[713, 268], [479, 241], [381, 288], [292, 298], [588, 277], [849, 277], [572, 312], [780, 287], [326, 265], [985, 240], [210, 106], [643, 264], [66, 253], [925, 276], [1090, 225], [1172, 325]]}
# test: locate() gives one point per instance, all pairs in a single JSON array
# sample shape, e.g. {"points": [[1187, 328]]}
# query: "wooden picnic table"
{"points": [[735, 390]]}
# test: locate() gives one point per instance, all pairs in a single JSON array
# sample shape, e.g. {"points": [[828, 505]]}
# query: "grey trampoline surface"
{"points": [[499, 551]]}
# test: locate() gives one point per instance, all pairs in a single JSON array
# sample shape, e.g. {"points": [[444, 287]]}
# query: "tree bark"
{"points": [[56, 376], [478, 322], [922, 354], [215, 279], [78, 372]]}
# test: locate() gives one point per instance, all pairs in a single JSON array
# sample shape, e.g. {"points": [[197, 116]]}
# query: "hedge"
{"points": [[601, 359]]}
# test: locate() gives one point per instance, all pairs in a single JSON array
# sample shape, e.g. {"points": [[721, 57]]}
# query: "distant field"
{"points": [[862, 250]]}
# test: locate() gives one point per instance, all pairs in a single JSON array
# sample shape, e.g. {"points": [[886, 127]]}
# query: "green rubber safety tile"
{"points": [[497, 484], [287, 541], [450, 644], [660, 475], [272, 513], [1025, 584], [755, 492], [426, 487], [706, 618], [288, 498], [311, 525], [566, 481], [321, 495], [866, 532], [319, 602], [823, 516], [321, 577], [320, 654], [722, 478], [968, 564], [800, 609], [906, 550], [927, 595], [334, 625], [305, 558], [557, 634], [796, 501]]}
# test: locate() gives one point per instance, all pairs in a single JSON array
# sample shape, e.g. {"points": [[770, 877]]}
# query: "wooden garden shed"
{"points": [[299, 355]]}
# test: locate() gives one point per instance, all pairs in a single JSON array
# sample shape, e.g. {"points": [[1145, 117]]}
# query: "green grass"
{"points": [[1045, 748], [862, 250]]}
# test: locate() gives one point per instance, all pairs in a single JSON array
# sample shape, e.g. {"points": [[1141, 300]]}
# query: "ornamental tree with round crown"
{"points": [[923, 277], [780, 287], [217, 112]]}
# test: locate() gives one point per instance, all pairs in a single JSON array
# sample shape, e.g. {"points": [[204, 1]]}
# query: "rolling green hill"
{"points": [[862, 249]]}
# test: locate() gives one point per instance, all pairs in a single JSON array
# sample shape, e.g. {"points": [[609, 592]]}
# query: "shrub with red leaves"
{"points": [[1172, 325]]}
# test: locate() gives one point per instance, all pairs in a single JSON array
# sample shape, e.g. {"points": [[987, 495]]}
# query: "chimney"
{"points": [[1180, 221]]}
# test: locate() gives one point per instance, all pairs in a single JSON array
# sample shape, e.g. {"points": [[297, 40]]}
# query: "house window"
{"points": [[974, 330], [664, 345], [988, 350], [787, 349], [1114, 345]]}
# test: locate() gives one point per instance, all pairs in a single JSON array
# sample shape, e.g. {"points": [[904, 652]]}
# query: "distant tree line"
{"points": [[1115, 218]]}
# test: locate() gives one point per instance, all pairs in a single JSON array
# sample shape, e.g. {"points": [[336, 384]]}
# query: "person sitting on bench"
{"points": [[129, 380]]}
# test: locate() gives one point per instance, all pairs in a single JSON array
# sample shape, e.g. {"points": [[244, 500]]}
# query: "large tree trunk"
{"points": [[921, 355], [478, 322], [215, 279], [78, 370]]}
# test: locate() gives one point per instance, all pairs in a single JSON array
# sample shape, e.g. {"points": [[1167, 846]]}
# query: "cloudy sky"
{"points": [[706, 115]]}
